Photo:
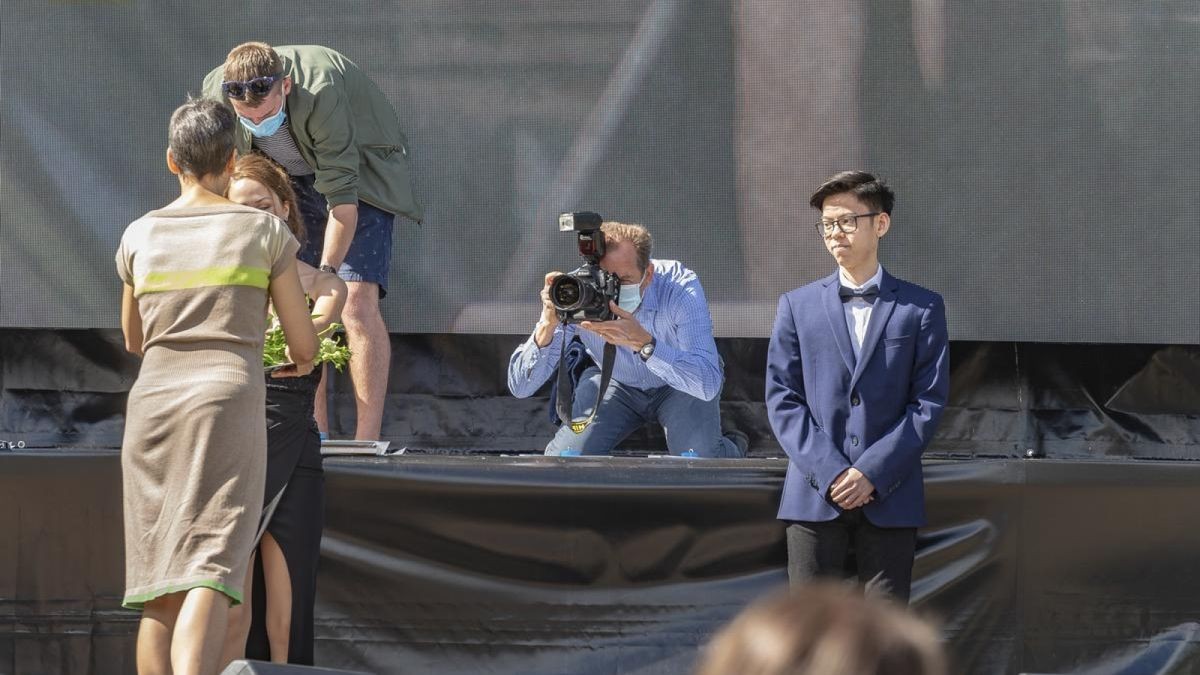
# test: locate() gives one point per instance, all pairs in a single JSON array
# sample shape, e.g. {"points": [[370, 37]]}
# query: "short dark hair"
{"points": [[866, 188], [200, 136]]}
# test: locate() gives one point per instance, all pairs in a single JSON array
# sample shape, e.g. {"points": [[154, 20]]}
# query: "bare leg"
{"points": [[372, 356], [279, 598], [320, 411], [199, 632], [154, 634], [239, 621]]}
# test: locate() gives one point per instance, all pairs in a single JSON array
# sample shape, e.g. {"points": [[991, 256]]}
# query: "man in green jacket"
{"points": [[318, 115]]}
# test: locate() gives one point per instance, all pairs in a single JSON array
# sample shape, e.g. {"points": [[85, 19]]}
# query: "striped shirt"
{"points": [[281, 147], [673, 310]]}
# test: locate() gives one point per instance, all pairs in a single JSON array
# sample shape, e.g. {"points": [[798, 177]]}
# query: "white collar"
{"points": [[846, 281]]}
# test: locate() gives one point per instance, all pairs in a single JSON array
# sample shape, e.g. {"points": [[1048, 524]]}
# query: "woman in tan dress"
{"points": [[198, 274]]}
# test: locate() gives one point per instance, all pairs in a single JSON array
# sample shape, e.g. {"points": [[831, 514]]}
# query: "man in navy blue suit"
{"points": [[857, 376]]}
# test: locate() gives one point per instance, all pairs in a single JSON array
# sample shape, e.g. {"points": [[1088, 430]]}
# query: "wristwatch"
{"points": [[326, 267], [647, 350]]}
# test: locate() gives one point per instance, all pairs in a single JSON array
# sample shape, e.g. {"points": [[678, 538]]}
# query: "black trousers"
{"points": [[849, 547]]}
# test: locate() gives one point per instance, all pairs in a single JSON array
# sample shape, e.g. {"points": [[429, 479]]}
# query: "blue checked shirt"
{"points": [[673, 310]]}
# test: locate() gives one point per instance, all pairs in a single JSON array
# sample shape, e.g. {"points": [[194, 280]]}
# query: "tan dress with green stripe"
{"points": [[193, 459]]}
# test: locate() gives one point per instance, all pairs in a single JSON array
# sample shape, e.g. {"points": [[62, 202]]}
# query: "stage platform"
{"points": [[535, 565]]}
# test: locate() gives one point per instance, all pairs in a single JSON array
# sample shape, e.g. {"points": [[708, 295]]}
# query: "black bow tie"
{"points": [[869, 293]]}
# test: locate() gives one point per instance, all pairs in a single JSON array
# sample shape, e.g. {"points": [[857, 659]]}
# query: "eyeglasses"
{"points": [[847, 224], [258, 86]]}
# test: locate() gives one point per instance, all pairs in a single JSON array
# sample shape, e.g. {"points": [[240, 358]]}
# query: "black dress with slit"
{"points": [[293, 511]]}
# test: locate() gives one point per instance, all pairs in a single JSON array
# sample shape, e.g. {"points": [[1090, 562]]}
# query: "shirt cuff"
{"points": [[535, 354], [662, 358]]}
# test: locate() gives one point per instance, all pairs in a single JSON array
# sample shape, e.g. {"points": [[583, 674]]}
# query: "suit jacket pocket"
{"points": [[896, 342]]}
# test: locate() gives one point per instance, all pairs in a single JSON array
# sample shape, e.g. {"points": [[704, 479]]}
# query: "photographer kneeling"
{"points": [[666, 367]]}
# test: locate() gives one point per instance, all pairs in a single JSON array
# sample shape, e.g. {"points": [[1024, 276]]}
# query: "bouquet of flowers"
{"points": [[330, 351]]}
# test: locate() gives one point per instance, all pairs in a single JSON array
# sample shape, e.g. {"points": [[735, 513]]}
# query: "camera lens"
{"points": [[567, 293]]}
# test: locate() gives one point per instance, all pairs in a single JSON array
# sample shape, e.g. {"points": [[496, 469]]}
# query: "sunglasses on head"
{"points": [[258, 86]]}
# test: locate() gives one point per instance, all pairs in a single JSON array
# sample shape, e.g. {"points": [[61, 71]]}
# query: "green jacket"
{"points": [[345, 129]]}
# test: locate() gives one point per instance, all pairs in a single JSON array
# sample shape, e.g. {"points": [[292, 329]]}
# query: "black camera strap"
{"points": [[566, 388]]}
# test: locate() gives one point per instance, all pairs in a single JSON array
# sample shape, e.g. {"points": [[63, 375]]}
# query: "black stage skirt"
{"points": [[296, 491]]}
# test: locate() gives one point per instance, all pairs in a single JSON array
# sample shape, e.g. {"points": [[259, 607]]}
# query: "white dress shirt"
{"points": [[858, 310]]}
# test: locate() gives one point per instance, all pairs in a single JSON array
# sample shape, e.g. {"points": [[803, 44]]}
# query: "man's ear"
{"points": [[232, 161], [171, 165], [883, 223], [649, 275], [287, 85]]}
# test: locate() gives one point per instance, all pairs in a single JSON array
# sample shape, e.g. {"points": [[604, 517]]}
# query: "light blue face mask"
{"points": [[631, 294], [267, 127]]}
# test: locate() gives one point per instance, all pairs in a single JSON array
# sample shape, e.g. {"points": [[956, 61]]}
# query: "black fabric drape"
{"points": [[1055, 544], [447, 395], [542, 565]]}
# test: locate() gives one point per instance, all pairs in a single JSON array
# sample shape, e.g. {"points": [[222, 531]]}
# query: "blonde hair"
{"points": [[637, 235], [250, 60], [825, 629]]}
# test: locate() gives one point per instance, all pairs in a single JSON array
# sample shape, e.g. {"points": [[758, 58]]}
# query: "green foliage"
{"points": [[330, 351]]}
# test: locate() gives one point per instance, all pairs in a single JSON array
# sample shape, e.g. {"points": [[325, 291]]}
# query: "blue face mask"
{"points": [[631, 295], [267, 127]]}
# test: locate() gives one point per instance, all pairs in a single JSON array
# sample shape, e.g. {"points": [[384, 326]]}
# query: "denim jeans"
{"points": [[688, 422]]}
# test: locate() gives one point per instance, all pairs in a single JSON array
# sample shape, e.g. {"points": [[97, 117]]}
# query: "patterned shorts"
{"points": [[370, 254]]}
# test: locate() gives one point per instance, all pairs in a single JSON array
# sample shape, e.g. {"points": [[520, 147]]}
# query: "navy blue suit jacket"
{"points": [[877, 414]]}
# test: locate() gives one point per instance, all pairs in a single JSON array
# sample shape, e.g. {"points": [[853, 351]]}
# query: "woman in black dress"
{"points": [[277, 623]]}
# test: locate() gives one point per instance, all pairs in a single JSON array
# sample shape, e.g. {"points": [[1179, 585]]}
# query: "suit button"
{"points": [[854, 400], [854, 441]]}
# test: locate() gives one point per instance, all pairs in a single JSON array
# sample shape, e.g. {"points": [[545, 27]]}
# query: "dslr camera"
{"points": [[584, 294]]}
